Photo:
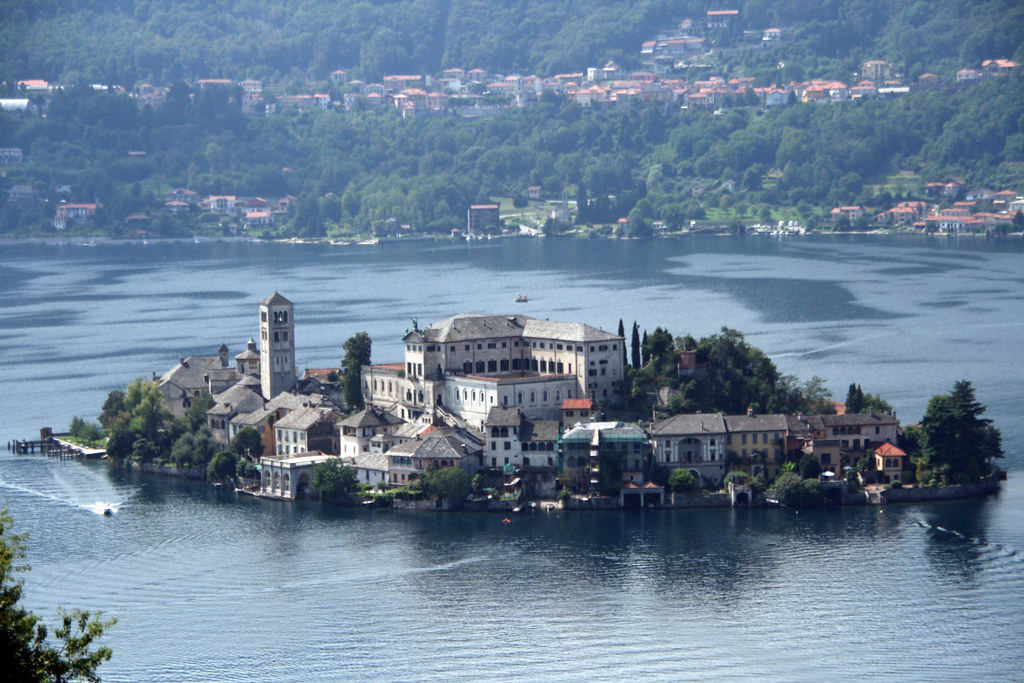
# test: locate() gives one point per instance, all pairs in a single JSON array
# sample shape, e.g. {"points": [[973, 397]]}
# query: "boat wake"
{"points": [[996, 549]]}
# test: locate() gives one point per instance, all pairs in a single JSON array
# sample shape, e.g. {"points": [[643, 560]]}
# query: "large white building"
{"points": [[467, 364]]}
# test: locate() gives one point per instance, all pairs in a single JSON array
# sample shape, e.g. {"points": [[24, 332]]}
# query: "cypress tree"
{"points": [[622, 333], [635, 346]]}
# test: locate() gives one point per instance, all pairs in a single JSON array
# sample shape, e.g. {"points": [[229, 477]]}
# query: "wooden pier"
{"points": [[52, 445]]}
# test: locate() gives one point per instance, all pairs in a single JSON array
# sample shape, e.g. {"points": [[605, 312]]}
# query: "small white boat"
{"points": [[522, 299]]}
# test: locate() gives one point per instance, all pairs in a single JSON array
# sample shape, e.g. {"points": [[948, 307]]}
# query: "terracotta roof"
{"points": [[888, 450], [578, 404]]}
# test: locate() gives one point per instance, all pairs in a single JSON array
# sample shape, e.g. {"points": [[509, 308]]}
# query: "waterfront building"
{"points": [[289, 477], [586, 450], [468, 364], [438, 447], [758, 441], [513, 439], [890, 460], [694, 441], [371, 468], [839, 441], [277, 345]]}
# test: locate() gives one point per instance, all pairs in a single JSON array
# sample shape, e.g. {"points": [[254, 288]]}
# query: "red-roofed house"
{"points": [[68, 213], [890, 461], [722, 18], [579, 410]]}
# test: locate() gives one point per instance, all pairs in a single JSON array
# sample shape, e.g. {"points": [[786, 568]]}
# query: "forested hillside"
{"points": [[121, 42], [351, 170]]}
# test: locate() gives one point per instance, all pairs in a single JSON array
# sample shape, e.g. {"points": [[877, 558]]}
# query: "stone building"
{"points": [[468, 364], [277, 345]]}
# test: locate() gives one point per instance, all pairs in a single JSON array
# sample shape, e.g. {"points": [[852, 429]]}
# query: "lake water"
{"points": [[210, 587]]}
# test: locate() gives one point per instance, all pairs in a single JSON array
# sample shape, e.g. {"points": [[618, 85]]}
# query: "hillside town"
{"points": [[677, 70], [514, 398]]}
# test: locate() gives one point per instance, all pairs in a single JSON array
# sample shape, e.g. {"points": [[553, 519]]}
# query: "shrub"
{"points": [[681, 480]]}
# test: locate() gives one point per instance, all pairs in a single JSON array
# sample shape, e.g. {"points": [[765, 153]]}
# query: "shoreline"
{"points": [[87, 240], [864, 496]]}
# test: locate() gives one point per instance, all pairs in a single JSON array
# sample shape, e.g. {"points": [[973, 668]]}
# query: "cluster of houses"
{"points": [[475, 92], [514, 397], [981, 210], [254, 213]]}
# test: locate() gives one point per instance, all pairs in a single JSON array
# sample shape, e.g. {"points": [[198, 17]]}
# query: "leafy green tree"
{"points": [[332, 480], [26, 652], [146, 409], [959, 443], [194, 448], [113, 408], [793, 491], [357, 354], [195, 416], [247, 443], [222, 466], [450, 484], [681, 480]]}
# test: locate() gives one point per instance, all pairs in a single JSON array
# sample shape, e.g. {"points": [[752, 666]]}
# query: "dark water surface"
{"points": [[209, 587]]}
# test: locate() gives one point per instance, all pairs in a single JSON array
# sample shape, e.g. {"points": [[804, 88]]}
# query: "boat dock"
{"points": [[52, 445]]}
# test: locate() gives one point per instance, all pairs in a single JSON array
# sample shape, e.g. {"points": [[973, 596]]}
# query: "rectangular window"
{"points": [[508, 445]]}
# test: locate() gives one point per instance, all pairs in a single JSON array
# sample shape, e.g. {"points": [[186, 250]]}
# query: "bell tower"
{"points": [[277, 346]]}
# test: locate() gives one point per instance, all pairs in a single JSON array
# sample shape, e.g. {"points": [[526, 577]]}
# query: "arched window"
{"points": [[492, 366], [560, 370], [543, 366], [467, 367], [504, 364], [480, 366], [520, 398], [517, 364], [545, 396], [533, 397], [504, 432], [558, 395]]}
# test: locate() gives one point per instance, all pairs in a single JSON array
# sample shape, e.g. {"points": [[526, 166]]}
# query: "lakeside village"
{"points": [[499, 412], [950, 207]]}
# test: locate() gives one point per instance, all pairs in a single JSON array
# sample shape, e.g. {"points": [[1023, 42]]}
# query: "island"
{"points": [[510, 412]]}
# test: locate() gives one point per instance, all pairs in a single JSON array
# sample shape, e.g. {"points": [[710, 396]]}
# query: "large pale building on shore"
{"points": [[467, 364]]}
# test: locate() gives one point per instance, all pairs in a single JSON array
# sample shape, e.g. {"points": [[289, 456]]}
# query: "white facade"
{"points": [[496, 361]]}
